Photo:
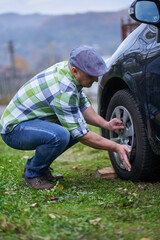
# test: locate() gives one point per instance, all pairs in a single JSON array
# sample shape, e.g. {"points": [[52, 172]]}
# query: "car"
{"points": [[130, 91]]}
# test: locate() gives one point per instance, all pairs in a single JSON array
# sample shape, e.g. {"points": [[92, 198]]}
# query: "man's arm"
{"points": [[95, 141], [94, 119]]}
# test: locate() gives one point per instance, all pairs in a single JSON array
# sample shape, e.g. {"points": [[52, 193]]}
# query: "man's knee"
{"points": [[64, 136], [60, 137]]}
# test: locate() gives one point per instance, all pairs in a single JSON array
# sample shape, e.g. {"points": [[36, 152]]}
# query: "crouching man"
{"points": [[49, 115]]}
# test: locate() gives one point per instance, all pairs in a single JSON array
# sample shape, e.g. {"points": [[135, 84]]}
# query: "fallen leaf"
{"points": [[60, 187], [95, 221], [134, 194], [34, 205], [25, 157], [140, 187], [75, 167], [7, 192], [52, 216]]}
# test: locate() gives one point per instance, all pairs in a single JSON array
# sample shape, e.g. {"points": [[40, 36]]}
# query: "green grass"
{"points": [[100, 209]]}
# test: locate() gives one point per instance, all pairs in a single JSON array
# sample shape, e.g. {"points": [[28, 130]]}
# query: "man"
{"points": [[49, 114]]}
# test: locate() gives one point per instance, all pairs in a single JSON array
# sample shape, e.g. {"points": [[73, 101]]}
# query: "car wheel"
{"points": [[124, 107]]}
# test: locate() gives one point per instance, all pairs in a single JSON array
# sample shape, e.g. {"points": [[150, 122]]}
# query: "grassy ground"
{"points": [[100, 209]]}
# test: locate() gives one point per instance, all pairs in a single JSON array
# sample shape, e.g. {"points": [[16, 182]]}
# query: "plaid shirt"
{"points": [[52, 95]]}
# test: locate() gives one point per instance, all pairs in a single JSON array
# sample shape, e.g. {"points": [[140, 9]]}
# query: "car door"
{"points": [[152, 78]]}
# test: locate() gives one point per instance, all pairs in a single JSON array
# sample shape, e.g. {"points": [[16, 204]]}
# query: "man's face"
{"points": [[84, 79]]}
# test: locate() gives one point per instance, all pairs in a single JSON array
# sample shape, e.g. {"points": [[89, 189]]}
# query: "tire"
{"points": [[124, 107]]}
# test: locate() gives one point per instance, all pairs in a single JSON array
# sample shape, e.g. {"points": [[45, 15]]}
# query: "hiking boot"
{"points": [[39, 183], [48, 176]]}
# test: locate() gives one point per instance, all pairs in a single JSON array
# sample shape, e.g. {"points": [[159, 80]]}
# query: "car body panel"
{"points": [[136, 65]]}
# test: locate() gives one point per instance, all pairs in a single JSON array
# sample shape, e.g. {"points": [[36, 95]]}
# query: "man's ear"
{"points": [[74, 70]]}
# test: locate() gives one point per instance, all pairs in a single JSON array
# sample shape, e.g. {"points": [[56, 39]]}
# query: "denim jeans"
{"points": [[49, 140]]}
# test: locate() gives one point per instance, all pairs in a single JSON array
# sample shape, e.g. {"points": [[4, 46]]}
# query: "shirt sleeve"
{"points": [[66, 107], [84, 101]]}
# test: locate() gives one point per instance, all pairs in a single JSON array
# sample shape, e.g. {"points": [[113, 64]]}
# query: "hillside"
{"points": [[42, 38]]}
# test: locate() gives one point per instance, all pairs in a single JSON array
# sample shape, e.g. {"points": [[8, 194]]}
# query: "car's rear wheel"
{"points": [[124, 107]]}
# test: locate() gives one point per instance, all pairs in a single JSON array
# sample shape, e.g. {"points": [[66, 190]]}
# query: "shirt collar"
{"points": [[73, 79]]}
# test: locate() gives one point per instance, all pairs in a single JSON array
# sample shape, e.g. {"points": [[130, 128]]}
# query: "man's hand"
{"points": [[122, 151], [115, 124], [94, 119]]}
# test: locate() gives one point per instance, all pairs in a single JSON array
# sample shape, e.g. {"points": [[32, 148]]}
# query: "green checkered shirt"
{"points": [[52, 95]]}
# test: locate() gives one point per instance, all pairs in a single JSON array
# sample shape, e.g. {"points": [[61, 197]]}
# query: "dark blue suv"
{"points": [[130, 91]]}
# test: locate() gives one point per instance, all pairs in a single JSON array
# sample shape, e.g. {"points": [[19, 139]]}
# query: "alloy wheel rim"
{"points": [[126, 136]]}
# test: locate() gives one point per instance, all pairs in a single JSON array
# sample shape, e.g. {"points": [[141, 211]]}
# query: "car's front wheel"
{"points": [[123, 106]]}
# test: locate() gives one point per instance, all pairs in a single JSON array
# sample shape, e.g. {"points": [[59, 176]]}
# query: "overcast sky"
{"points": [[61, 6]]}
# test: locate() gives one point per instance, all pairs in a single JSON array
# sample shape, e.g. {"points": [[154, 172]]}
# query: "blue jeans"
{"points": [[49, 140]]}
